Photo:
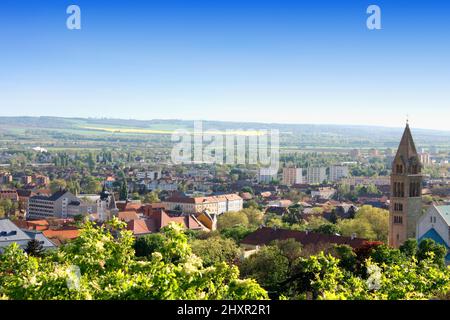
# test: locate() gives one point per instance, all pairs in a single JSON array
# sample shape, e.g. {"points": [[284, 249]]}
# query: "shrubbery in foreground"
{"points": [[101, 264]]}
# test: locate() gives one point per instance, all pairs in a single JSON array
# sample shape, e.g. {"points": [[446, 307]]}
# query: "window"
{"points": [[399, 169], [398, 219], [398, 206]]}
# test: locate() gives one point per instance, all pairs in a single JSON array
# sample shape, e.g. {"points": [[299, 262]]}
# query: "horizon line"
{"points": [[229, 121]]}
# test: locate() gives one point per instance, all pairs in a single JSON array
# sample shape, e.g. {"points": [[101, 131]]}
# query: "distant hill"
{"points": [[300, 135]]}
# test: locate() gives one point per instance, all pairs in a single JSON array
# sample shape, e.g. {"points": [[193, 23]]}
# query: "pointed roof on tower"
{"points": [[407, 148]]}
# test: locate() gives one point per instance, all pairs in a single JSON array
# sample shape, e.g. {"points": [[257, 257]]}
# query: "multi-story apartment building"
{"points": [[42, 180], [55, 205], [9, 194], [292, 176], [213, 204], [425, 158], [27, 179], [338, 172], [6, 178], [152, 175], [316, 175], [266, 175]]}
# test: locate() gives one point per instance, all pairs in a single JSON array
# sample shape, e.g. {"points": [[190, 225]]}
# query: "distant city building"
{"points": [[55, 205], [42, 180], [425, 158], [27, 179], [100, 207], [374, 153], [323, 193], [355, 153], [152, 175], [338, 172], [316, 175], [267, 175], [6, 178], [163, 185], [9, 194], [292, 176], [378, 181], [212, 204]]}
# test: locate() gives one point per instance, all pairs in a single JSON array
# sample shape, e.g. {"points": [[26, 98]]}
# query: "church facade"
{"points": [[406, 192]]}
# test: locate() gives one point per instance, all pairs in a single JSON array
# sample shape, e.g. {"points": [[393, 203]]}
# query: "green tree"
{"points": [[91, 185], [369, 223], [268, 266], [123, 194], [57, 184], [34, 248], [144, 246], [428, 248], [100, 264], [215, 250], [152, 197], [231, 219], [237, 233]]}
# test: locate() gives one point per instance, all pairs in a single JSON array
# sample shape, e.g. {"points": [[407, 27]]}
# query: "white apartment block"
{"points": [[292, 176], [266, 175], [338, 172], [316, 175]]}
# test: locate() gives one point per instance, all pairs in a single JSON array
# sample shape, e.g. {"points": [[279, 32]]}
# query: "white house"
{"points": [[435, 224]]}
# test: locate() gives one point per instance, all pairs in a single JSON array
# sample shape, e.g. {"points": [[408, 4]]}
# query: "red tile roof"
{"points": [[157, 219], [128, 215]]}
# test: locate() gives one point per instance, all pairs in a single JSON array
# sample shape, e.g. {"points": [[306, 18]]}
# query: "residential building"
{"points": [[355, 153], [406, 192], [292, 176], [6, 178], [212, 204], [316, 175], [152, 175], [9, 194], [425, 158], [26, 179], [158, 219], [55, 205], [10, 233], [435, 224], [323, 193], [338, 172], [267, 175]]}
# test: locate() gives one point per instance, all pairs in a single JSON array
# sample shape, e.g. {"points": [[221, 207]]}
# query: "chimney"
{"points": [[353, 236]]}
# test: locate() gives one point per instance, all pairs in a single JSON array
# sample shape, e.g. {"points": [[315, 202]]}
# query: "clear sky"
{"points": [[268, 61]]}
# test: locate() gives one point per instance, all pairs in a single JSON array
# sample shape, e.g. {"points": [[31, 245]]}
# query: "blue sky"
{"points": [[268, 61]]}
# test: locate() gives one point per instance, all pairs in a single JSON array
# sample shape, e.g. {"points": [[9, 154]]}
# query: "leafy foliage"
{"points": [[100, 264]]}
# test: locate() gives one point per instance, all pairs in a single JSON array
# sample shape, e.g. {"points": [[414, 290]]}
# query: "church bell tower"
{"points": [[406, 192]]}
